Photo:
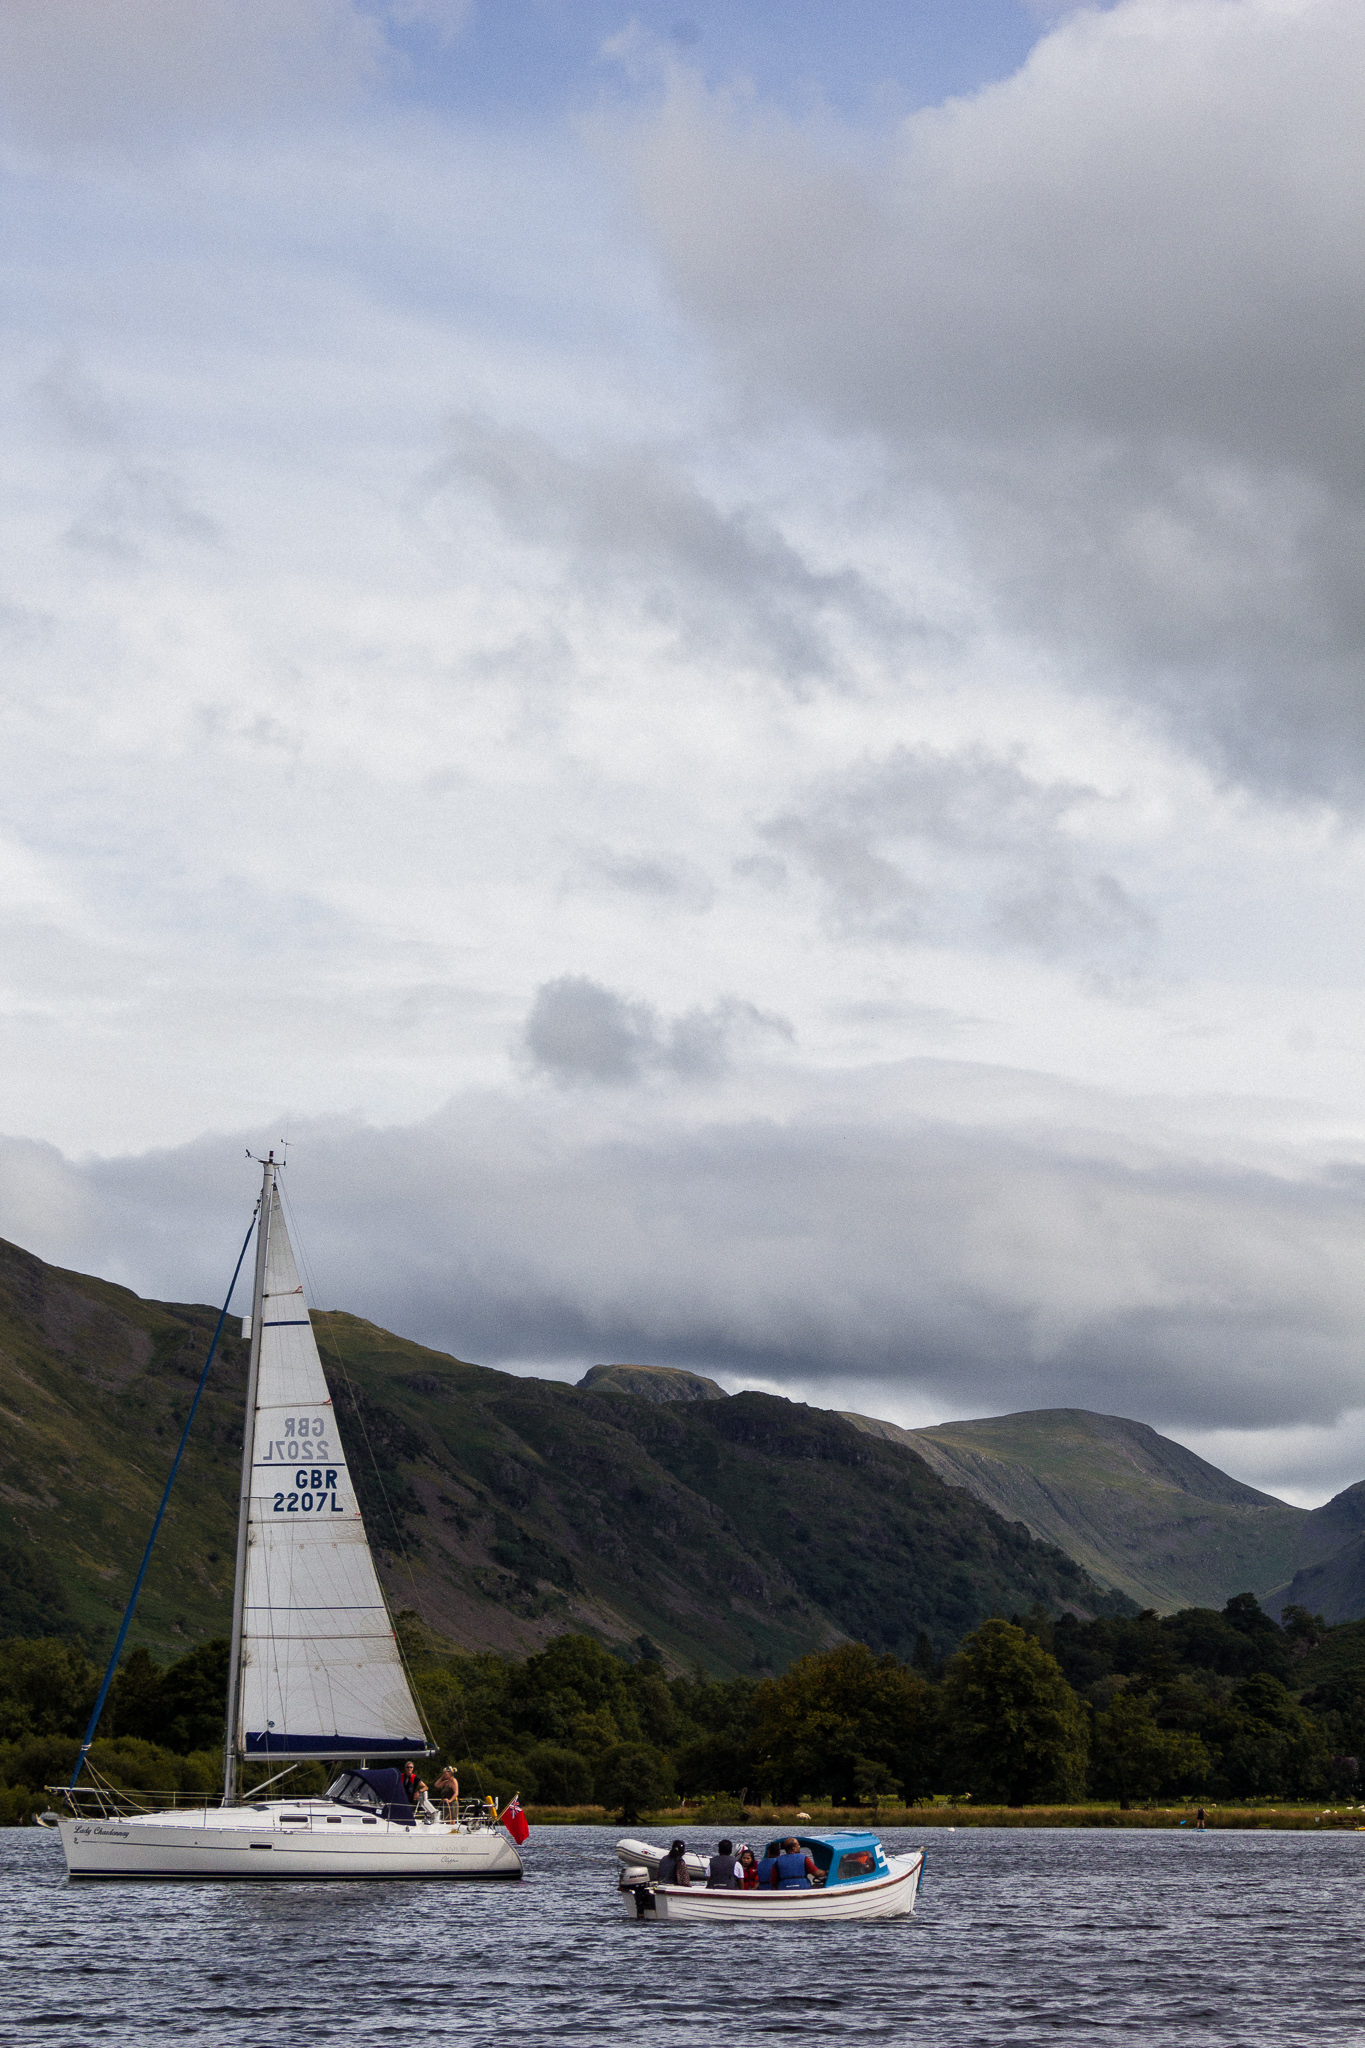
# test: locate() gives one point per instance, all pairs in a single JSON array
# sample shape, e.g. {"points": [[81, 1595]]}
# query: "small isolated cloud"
{"points": [[137, 503], [133, 501], [69, 399], [580, 1033], [443, 19], [720, 581], [924, 844], [659, 878]]}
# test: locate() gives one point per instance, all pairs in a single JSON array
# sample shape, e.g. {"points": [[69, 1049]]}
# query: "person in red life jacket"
{"points": [[748, 1867], [793, 1870], [514, 1820], [408, 1777]]}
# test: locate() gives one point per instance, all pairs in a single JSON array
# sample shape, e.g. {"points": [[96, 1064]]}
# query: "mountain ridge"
{"points": [[1139, 1511], [741, 1531]]}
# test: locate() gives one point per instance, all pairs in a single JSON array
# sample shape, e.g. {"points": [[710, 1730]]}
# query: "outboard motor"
{"points": [[634, 1878]]}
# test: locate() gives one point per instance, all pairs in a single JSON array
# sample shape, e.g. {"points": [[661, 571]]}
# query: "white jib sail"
{"points": [[321, 1673]]}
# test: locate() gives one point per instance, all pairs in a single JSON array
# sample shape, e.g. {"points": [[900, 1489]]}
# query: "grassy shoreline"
{"points": [[1302, 1814]]}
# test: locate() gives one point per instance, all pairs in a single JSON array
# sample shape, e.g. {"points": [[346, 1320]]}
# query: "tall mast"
{"points": [[234, 1693]]}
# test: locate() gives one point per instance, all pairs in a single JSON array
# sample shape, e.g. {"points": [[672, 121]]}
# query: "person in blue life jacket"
{"points": [[793, 1870]]}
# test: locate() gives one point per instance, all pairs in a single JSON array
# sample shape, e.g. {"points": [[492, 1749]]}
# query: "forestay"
{"points": [[320, 1670]]}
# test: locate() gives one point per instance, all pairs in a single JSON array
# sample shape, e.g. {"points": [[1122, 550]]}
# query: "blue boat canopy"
{"points": [[846, 1855]]}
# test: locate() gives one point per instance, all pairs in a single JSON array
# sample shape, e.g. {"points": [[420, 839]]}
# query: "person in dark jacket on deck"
{"points": [[723, 1873], [409, 1780], [673, 1869]]}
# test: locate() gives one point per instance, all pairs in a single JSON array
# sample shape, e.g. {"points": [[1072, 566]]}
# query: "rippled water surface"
{"points": [[1021, 1936]]}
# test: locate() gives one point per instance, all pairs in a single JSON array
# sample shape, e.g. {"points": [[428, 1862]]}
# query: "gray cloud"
{"points": [[719, 580], [134, 501], [1037, 1255], [1110, 311], [655, 877], [82, 73], [579, 1032], [924, 844]]}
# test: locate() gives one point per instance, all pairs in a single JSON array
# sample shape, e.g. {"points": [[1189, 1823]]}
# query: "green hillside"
{"points": [[742, 1531], [1137, 1511], [650, 1383], [1330, 1560]]}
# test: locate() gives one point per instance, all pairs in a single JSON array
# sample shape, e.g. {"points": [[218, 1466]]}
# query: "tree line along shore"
{"points": [[1039, 1720]]}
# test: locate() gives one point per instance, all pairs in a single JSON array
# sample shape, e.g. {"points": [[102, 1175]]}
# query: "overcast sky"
{"points": [[714, 652]]}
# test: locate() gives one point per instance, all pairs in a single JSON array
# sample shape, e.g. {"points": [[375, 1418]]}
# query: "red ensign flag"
{"points": [[515, 1821]]}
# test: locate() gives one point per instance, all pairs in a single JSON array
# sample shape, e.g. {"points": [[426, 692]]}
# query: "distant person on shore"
{"points": [[673, 1869], [1199, 1820], [447, 1790], [723, 1873], [794, 1870], [748, 1868]]}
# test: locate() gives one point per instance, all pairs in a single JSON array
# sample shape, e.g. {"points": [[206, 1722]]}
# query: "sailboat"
{"points": [[315, 1670]]}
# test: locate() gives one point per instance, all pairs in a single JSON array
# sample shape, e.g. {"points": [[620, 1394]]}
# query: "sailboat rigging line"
{"points": [[165, 1498], [305, 1263]]}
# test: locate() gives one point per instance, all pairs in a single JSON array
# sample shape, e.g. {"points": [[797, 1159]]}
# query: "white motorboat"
{"points": [[856, 1880], [315, 1670]]}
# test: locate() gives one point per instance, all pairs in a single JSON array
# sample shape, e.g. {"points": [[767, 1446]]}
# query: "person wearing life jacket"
{"points": [[793, 1870], [723, 1873]]}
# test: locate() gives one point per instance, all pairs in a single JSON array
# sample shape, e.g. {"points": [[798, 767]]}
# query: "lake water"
{"points": [[1021, 1936]]}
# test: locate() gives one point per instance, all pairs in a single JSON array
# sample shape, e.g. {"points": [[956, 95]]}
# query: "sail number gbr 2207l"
{"points": [[323, 1495], [316, 1485]]}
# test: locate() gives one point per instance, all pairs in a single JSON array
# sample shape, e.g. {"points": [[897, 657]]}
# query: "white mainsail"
{"points": [[320, 1671]]}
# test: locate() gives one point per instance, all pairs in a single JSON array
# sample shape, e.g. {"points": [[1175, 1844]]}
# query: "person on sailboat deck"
{"points": [[447, 1790], [673, 1869], [409, 1778]]}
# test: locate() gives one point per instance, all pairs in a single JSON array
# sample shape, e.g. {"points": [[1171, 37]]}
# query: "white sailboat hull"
{"points": [[305, 1841], [876, 1898]]}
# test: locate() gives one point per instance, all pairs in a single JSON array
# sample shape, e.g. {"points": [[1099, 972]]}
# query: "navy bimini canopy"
{"points": [[377, 1792]]}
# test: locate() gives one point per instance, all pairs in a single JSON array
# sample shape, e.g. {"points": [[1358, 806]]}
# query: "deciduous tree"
{"points": [[1014, 1730]]}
